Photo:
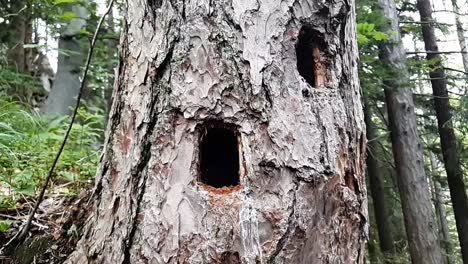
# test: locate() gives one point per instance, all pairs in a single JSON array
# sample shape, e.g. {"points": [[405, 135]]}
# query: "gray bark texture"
{"points": [[301, 196], [448, 141], [413, 187], [70, 60]]}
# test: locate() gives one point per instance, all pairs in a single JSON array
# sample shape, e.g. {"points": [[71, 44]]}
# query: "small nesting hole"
{"points": [[219, 155], [310, 64]]}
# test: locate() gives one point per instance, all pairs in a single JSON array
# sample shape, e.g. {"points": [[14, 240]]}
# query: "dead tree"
{"points": [[236, 135]]}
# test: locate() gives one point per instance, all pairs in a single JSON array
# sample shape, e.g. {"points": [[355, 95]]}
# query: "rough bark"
{"points": [[448, 140], [440, 211], [301, 197], [374, 173], [70, 60], [407, 150]]}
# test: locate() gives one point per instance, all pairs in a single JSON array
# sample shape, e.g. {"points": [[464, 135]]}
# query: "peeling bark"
{"points": [[301, 197]]}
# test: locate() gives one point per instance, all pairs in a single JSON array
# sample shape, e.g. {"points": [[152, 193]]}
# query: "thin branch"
{"points": [[17, 13], [449, 11], [377, 138], [438, 78], [21, 235], [455, 70], [458, 94], [434, 96], [426, 22], [433, 52]]}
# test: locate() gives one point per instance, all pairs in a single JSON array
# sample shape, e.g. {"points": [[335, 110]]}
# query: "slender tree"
{"points": [[20, 30], [236, 135], [448, 140], [440, 210], [374, 173], [112, 46], [460, 34], [407, 149]]}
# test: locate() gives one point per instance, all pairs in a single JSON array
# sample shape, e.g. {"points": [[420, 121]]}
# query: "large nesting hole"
{"points": [[310, 63], [219, 155]]}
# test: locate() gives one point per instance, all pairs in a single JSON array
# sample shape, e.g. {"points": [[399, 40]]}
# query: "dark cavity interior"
{"points": [[219, 156], [308, 40]]}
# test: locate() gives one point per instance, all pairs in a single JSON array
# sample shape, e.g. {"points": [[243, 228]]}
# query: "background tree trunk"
{"points": [[440, 211], [460, 35], [407, 150], [113, 46], [301, 197], [448, 140], [21, 31], [382, 215], [70, 60]]}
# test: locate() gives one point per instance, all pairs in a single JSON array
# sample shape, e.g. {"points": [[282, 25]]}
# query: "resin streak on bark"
{"points": [[301, 197]]}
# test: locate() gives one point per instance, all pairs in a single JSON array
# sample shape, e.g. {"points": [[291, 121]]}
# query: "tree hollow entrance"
{"points": [[219, 155], [310, 63]]}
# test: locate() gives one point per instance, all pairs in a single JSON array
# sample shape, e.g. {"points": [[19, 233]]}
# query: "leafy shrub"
{"points": [[29, 143]]}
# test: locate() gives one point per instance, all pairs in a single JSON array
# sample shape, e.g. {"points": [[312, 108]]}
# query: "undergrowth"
{"points": [[28, 145]]}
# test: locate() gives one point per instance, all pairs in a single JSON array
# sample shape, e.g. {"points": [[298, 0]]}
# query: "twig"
{"points": [[17, 13], [449, 11], [434, 52], [455, 70], [11, 217], [425, 23], [21, 235]]}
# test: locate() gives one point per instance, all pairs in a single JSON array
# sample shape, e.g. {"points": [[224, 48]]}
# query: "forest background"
{"points": [[43, 46]]}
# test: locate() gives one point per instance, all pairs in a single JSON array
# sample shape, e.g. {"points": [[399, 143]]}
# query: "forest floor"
{"points": [[54, 232]]}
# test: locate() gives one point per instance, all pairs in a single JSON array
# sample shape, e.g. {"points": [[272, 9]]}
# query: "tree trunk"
{"points": [[112, 46], [440, 211], [218, 151], [20, 26], [460, 35], [447, 135], [381, 211], [407, 150], [70, 60]]}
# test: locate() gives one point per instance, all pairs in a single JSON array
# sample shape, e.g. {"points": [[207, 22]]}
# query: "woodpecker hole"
{"points": [[219, 155], [310, 47], [155, 4]]}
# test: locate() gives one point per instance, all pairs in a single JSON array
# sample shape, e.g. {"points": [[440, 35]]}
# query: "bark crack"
{"points": [[287, 234], [145, 155]]}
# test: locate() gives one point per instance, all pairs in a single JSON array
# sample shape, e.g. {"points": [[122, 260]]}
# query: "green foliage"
{"points": [[370, 20], [20, 85], [29, 143], [367, 32], [4, 225]]}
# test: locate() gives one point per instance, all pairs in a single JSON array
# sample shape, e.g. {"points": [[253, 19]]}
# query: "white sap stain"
{"points": [[249, 232]]}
